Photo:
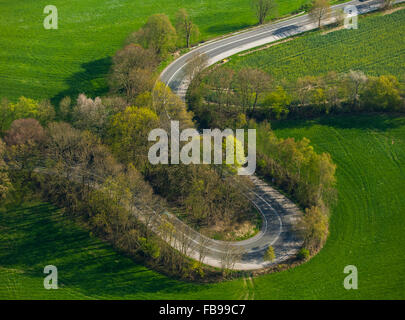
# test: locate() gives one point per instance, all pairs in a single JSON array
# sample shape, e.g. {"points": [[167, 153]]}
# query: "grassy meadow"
{"points": [[75, 58]]}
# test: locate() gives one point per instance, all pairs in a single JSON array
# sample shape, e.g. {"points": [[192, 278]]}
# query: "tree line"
{"points": [[255, 94]]}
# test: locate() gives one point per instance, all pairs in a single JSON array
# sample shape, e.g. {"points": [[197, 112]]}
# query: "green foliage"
{"points": [[295, 167], [129, 132], [314, 228], [149, 247], [382, 93], [25, 108], [269, 254], [303, 254], [157, 34], [277, 101]]}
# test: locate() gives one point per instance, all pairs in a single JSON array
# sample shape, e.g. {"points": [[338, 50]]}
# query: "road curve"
{"points": [[280, 215]]}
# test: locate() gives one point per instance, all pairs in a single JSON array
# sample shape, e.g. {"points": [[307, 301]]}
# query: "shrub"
{"points": [[303, 254], [269, 255]]}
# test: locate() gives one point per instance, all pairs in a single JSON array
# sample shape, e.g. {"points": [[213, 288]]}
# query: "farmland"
{"points": [[366, 225], [366, 230], [39, 63], [376, 48]]}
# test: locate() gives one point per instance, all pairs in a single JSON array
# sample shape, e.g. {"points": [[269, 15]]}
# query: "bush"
{"points": [[315, 227], [269, 255], [303, 254]]}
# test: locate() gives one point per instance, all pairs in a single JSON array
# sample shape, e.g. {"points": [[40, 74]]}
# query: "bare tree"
{"points": [[387, 4], [221, 80], [185, 26], [90, 114], [354, 82], [304, 88], [230, 256], [24, 131], [263, 8], [184, 239], [251, 84], [202, 249], [195, 64], [319, 11], [132, 70]]}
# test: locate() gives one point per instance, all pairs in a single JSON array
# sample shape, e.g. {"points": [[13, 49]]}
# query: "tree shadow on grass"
{"points": [[220, 29], [40, 235], [372, 121], [92, 81]]}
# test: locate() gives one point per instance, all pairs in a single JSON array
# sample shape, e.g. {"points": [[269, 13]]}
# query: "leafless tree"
{"points": [[132, 70], [251, 84], [184, 239], [354, 82], [185, 26], [202, 248], [304, 88], [387, 4], [24, 131], [319, 11], [263, 8], [195, 65], [221, 81], [230, 255]]}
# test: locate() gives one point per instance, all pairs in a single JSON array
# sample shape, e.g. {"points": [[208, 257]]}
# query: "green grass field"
{"points": [[367, 224], [367, 230], [377, 47], [40, 63]]}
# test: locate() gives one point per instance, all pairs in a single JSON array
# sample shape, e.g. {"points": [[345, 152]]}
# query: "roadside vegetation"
{"points": [[229, 95], [89, 158]]}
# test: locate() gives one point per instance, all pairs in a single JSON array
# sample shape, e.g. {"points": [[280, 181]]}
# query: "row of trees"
{"points": [[309, 177], [225, 98], [254, 93], [106, 146], [160, 36], [318, 10]]}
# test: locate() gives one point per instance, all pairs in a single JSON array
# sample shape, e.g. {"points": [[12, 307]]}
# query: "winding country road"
{"points": [[279, 213]]}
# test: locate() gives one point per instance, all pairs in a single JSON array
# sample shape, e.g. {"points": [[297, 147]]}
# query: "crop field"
{"points": [[377, 47], [75, 58], [366, 231]]}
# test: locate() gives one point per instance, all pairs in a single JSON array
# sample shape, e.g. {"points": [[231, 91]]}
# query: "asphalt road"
{"points": [[280, 215]]}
